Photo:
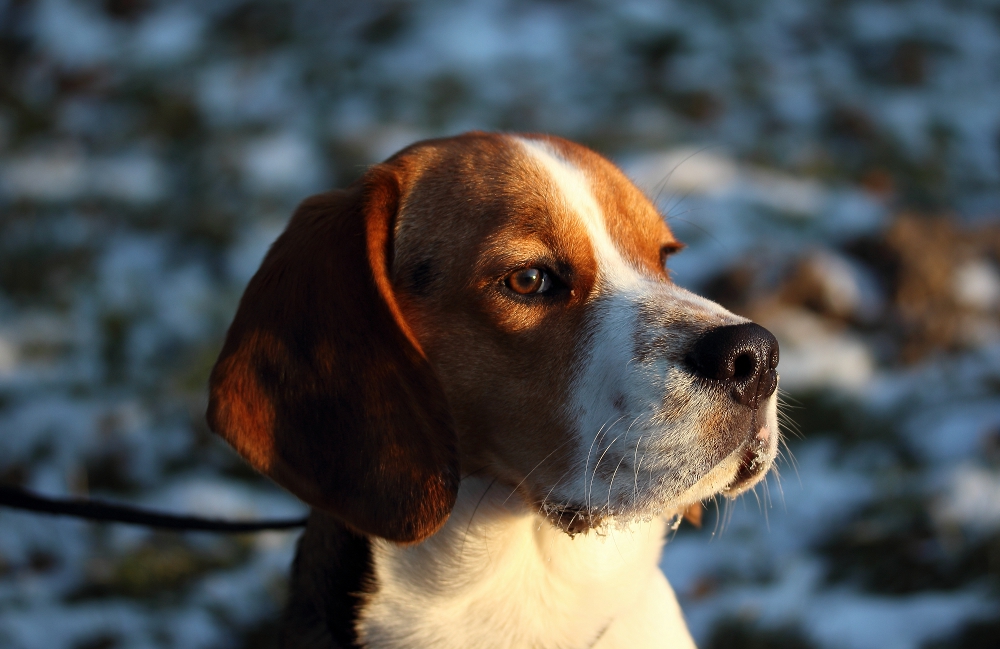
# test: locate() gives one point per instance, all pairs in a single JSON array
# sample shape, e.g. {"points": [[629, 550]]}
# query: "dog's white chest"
{"points": [[509, 579]]}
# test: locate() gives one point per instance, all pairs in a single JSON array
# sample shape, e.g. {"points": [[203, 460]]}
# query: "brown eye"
{"points": [[528, 281]]}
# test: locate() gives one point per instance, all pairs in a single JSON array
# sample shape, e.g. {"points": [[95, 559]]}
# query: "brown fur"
{"points": [[320, 384]]}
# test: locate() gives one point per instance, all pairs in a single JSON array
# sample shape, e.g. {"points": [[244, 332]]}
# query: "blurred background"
{"points": [[834, 167]]}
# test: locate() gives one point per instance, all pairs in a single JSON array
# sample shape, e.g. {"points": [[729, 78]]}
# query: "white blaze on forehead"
{"points": [[574, 190]]}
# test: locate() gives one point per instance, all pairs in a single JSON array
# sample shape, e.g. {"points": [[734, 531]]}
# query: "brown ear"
{"points": [[321, 385]]}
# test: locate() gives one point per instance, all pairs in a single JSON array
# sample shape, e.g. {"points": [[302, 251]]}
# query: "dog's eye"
{"points": [[668, 249], [529, 281]]}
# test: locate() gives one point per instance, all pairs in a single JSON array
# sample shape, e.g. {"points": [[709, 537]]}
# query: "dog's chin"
{"points": [[737, 473], [575, 520], [752, 463]]}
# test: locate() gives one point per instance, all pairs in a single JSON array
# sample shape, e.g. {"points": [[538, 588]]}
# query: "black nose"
{"points": [[743, 357]]}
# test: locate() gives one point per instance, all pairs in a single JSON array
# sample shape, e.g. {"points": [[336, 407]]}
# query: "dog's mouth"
{"points": [[747, 464], [755, 462], [574, 520]]}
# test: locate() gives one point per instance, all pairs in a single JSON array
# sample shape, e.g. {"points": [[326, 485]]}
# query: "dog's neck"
{"points": [[500, 575]]}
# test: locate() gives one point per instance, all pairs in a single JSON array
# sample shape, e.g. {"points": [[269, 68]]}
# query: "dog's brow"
{"points": [[574, 188]]}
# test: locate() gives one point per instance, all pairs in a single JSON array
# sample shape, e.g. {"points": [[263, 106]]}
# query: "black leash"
{"points": [[95, 510]]}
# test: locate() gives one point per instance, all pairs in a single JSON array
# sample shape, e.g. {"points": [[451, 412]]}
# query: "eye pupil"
{"points": [[527, 280]]}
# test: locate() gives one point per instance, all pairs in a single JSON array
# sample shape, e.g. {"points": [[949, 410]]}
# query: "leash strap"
{"points": [[95, 510]]}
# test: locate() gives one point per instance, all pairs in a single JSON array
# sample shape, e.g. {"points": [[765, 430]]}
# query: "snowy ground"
{"points": [[834, 167]]}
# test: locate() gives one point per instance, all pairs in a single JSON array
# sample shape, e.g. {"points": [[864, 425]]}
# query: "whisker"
{"points": [[476, 472], [586, 468], [663, 183], [789, 425], [542, 507], [635, 482], [695, 225], [635, 488], [596, 466], [724, 516], [612, 483], [545, 500], [611, 533], [615, 473], [540, 462], [789, 401], [792, 461], [666, 212], [468, 527], [768, 504], [718, 515], [590, 487], [673, 216], [781, 488], [767, 519]]}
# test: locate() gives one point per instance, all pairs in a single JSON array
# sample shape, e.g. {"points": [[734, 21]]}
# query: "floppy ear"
{"points": [[322, 386]]}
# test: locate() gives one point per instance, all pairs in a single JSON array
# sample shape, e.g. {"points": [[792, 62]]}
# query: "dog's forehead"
{"points": [[472, 187], [627, 215]]}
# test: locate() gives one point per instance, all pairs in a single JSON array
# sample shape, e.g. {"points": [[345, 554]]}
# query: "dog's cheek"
{"points": [[505, 391]]}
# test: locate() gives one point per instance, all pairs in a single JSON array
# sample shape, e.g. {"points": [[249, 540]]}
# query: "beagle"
{"points": [[473, 365]]}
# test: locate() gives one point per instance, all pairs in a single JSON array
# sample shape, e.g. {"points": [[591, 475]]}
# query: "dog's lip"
{"points": [[753, 462], [574, 520]]}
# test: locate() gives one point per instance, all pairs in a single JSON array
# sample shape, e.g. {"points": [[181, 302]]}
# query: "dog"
{"points": [[474, 366]]}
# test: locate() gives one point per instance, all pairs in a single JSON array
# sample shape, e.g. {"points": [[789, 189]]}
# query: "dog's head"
{"points": [[498, 305]]}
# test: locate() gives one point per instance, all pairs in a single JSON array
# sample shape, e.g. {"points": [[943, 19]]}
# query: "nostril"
{"points": [[743, 357], [744, 366]]}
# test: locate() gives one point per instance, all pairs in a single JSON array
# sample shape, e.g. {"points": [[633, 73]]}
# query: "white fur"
{"points": [[498, 576]]}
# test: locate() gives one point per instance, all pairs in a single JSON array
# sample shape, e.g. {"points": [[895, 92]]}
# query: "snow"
{"points": [[149, 158], [169, 35], [215, 498], [843, 620], [688, 171], [946, 434], [977, 285], [972, 499], [56, 175], [813, 354], [132, 177], [8, 357], [256, 90], [75, 34], [65, 173], [284, 162], [246, 254]]}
